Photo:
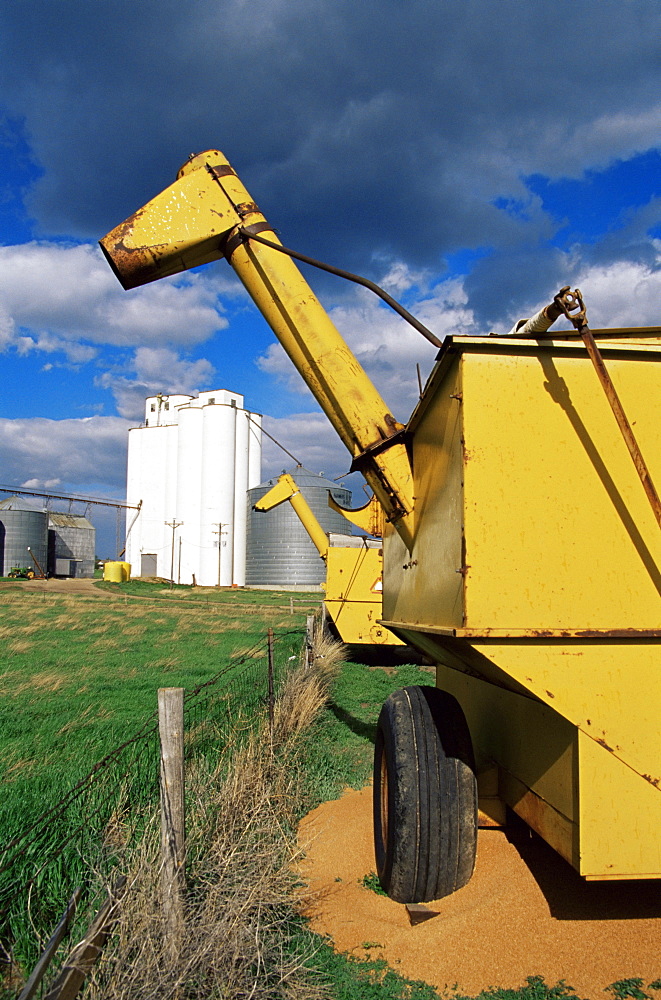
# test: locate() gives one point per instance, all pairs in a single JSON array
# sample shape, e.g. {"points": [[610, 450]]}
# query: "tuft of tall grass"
{"points": [[242, 937]]}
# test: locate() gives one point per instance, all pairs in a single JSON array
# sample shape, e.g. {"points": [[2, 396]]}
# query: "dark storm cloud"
{"points": [[365, 132]]}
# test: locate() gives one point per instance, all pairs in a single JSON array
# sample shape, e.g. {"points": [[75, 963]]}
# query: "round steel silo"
{"points": [[279, 552], [22, 528]]}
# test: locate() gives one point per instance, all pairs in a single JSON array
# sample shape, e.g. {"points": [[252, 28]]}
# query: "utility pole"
{"points": [[174, 525], [220, 534]]}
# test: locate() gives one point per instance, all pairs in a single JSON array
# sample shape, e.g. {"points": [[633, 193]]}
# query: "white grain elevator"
{"points": [[191, 465]]}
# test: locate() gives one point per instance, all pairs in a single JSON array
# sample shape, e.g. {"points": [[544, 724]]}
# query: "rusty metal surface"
{"points": [[530, 633], [130, 264]]}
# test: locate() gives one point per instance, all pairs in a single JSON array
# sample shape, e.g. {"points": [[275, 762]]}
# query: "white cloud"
{"points": [[622, 293], [389, 348], [156, 369], [70, 453], [609, 136], [41, 484], [310, 438], [52, 297]]}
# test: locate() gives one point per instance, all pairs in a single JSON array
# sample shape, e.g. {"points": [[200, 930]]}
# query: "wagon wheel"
{"points": [[425, 796]]}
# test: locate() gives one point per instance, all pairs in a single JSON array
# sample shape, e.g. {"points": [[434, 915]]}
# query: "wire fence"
{"points": [[81, 839]]}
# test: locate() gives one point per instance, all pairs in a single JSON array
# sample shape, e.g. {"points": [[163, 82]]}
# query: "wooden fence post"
{"points": [[271, 686], [173, 824], [309, 641]]}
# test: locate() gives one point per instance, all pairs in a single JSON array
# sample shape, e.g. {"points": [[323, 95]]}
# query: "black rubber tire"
{"points": [[425, 796]]}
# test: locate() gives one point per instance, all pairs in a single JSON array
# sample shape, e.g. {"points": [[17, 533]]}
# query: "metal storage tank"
{"points": [[22, 527], [71, 546], [279, 552]]}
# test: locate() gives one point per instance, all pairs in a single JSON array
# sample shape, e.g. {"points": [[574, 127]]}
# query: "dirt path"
{"points": [[525, 912], [55, 586]]}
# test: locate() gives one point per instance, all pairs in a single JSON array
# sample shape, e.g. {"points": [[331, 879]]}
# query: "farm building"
{"points": [[71, 546]]}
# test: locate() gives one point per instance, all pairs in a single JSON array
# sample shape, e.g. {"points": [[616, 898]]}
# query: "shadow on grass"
{"points": [[366, 730]]}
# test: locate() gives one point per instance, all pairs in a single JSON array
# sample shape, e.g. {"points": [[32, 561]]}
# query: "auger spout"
{"points": [[207, 214]]}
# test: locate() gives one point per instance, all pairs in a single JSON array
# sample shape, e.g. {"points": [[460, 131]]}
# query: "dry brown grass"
{"points": [[19, 646], [50, 680], [102, 644], [134, 631], [67, 621], [306, 689], [167, 663], [239, 939], [103, 627], [30, 629]]}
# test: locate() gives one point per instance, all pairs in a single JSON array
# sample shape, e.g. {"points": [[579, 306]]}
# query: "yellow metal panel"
{"points": [[491, 807], [524, 737], [620, 817], [592, 753], [541, 816], [353, 595], [369, 517], [426, 584], [611, 690], [559, 533]]}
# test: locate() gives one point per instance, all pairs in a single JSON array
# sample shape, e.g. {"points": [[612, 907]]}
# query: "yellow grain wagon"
{"points": [[520, 552], [354, 569]]}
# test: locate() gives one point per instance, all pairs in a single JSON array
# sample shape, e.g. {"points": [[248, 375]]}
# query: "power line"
{"points": [[300, 464]]}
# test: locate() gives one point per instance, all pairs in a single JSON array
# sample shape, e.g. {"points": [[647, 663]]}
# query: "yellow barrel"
{"points": [[116, 572]]}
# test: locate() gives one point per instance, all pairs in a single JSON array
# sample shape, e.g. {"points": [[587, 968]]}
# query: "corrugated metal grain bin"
{"points": [[279, 551], [22, 528], [71, 545]]}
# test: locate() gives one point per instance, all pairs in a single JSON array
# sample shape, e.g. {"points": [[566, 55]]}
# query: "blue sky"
{"points": [[450, 151]]}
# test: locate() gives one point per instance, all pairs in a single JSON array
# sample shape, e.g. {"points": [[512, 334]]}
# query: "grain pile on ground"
{"points": [[525, 912]]}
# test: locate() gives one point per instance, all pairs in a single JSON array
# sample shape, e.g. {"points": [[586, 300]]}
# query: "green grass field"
{"points": [[79, 675]]}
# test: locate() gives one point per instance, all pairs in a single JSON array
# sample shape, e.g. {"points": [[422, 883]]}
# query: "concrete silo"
{"points": [[279, 552], [23, 536], [191, 466]]}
